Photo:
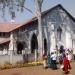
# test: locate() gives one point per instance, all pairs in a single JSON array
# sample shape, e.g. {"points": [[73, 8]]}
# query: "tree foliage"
{"points": [[12, 6], [19, 5]]}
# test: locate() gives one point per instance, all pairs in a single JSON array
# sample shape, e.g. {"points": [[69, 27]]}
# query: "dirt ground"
{"points": [[36, 70]]}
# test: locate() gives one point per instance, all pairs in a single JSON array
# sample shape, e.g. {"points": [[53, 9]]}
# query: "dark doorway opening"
{"points": [[34, 43], [20, 47], [45, 46]]}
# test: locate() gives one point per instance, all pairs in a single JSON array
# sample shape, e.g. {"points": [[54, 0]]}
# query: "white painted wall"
{"points": [[68, 40]]}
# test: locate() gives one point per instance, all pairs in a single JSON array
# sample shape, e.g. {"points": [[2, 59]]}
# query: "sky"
{"points": [[69, 5]]}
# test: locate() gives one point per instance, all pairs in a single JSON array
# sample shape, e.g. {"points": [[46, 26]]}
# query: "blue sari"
{"points": [[49, 61]]}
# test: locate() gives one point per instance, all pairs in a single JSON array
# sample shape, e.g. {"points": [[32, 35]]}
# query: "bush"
{"points": [[5, 66], [7, 62], [19, 62], [19, 65]]}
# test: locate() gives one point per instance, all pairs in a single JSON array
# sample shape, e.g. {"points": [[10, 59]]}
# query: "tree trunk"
{"points": [[40, 38]]}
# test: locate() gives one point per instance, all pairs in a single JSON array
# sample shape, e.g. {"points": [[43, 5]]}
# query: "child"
{"points": [[45, 61]]}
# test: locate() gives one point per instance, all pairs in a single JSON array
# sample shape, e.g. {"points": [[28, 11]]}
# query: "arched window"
{"points": [[59, 32]]}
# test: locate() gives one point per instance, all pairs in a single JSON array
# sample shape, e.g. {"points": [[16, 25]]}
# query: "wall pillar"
{"points": [[53, 42], [15, 47], [52, 38], [11, 46], [68, 40]]}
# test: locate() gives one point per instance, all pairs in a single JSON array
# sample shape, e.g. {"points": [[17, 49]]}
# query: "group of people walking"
{"points": [[50, 60]]}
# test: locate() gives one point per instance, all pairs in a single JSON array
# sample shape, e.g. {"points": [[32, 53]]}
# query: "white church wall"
{"points": [[50, 23], [68, 39], [60, 18]]}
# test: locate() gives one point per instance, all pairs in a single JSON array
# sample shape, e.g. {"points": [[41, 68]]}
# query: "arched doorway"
{"points": [[59, 37], [20, 47], [34, 43], [45, 46], [59, 33]]}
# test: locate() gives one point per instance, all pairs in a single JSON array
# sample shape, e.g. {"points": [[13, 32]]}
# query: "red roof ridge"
{"points": [[29, 20]]}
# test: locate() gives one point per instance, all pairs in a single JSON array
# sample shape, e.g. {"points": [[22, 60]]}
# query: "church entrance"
{"points": [[59, 37], [45, 46], [60, 40], [20, 47], [34, 43], [34, 46]]}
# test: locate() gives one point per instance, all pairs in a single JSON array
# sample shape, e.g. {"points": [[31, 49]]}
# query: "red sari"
{"points": [[65, 63]]}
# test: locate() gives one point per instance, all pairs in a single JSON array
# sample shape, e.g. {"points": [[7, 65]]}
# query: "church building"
{"points": [[19, 42]]}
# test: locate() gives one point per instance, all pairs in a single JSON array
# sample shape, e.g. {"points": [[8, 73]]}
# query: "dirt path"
{"points": [[36, 70]]}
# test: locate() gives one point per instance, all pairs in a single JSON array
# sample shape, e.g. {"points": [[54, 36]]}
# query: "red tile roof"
{"points": [[7, 27]]}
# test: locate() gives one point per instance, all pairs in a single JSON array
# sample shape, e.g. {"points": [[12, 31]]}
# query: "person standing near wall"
{"points": [[54, 56], [69, 56], [74, 55], [49, 61]]}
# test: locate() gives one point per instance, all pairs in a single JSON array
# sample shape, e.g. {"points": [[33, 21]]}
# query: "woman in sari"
{"points": [[49, 61], [65, 64]]}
